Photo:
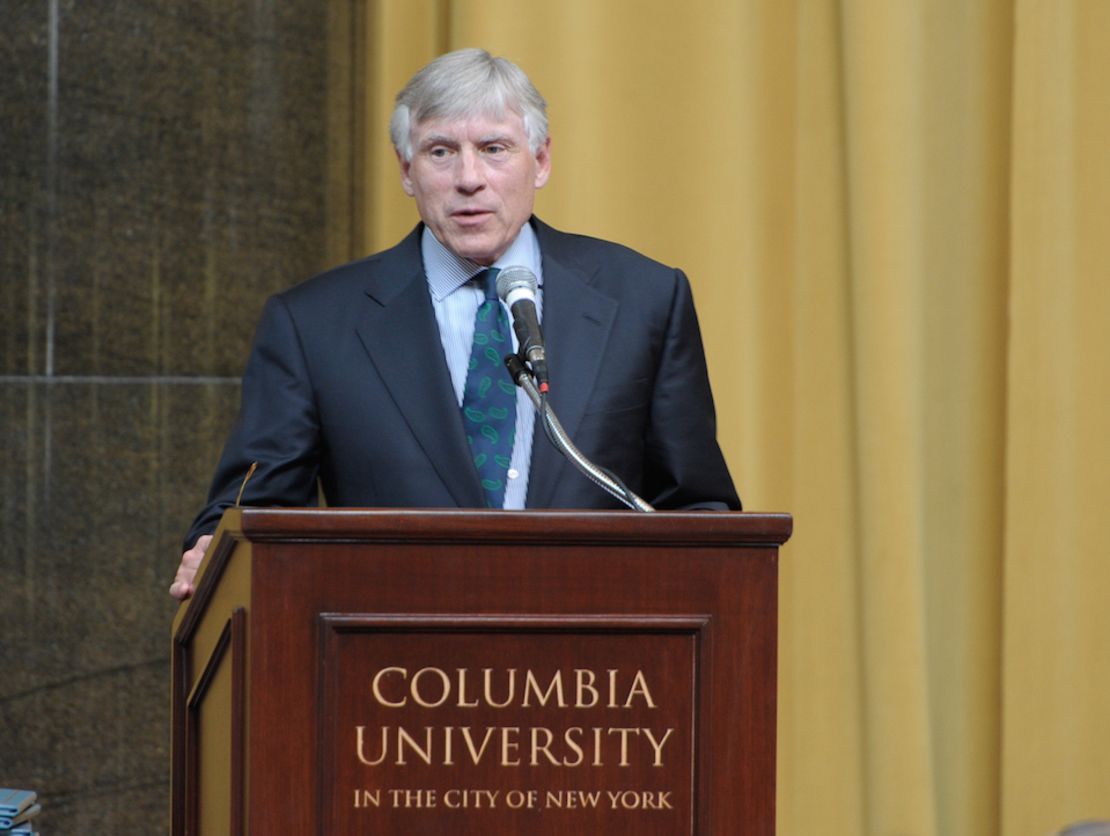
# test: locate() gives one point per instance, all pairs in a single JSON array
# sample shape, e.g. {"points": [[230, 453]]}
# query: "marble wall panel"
{"points": [[163, 168], [24, 98], [98, 483]]}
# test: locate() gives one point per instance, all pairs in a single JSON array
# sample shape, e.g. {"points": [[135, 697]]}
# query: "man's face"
{"points": [[475, 181]]}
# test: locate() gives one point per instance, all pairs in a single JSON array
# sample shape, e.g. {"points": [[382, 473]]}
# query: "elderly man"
{"points": [[379, 380]]}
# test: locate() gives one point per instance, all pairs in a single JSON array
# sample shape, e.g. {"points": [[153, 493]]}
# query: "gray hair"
{"points": [[465, 83]]}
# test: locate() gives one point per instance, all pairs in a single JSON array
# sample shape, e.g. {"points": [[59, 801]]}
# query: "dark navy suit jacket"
{"points": [[347, 384]]}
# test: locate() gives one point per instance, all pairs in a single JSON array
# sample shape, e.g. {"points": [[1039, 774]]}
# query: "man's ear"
{"points": [[406, 181], [543, 163]]}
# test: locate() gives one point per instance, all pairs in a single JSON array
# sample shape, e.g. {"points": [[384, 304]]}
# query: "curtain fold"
{"points": [[1056, 742], [894, 217]]}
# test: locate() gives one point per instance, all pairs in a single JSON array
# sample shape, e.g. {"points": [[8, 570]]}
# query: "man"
{"points": [[359, 377]]}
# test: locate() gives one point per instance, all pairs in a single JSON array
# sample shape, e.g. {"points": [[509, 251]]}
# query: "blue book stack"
{"points": [[17, 809]]}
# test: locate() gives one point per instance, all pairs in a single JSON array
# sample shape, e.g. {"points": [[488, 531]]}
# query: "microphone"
{"points": [[516, 287]]}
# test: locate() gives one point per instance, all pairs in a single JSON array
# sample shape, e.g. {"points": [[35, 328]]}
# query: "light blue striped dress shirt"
{"points": [[456, 302]]}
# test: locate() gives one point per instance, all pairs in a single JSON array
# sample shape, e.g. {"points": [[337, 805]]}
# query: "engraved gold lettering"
{"points": [[432, 687], [368, 798], [375, 687], [572, 799], [487, 691], [657, 746], [359, 748], [404, 739], [509, 743], [476, 755], [448, 749], [624, 742], [531, 686], [519, 799], [540, 746], [418, 696], [571, 737], [584, 685], [545, 747], [470, 799], [462, 691], [414, 798], [639, 686], [642, 800]]}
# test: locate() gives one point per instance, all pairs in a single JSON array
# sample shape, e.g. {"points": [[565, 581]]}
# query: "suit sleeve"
{"points": [[684, 466], [277, 427]]}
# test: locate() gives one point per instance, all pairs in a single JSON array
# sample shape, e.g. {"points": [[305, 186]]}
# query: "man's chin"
{"points": [[480, 252]]}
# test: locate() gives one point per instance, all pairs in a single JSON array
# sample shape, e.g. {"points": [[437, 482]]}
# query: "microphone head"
{"points": [[515, 278]]}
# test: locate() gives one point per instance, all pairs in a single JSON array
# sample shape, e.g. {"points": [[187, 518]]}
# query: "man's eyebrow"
{"points": [[496, 139], [438, 139], [431, 140]]}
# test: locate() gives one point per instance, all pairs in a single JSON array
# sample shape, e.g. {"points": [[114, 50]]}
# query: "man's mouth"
{"points": [[470, 215]]}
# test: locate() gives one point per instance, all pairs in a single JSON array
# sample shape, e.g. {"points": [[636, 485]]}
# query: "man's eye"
{"points": [[438, 153], [495, 149]]}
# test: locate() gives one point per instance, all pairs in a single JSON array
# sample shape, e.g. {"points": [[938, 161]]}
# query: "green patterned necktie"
{"points": [[489, 397]]}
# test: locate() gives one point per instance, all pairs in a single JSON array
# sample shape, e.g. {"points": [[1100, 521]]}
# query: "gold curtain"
{"points": [[896, 217]]}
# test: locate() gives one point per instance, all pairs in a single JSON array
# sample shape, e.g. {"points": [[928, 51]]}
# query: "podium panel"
{"points": [[361, 671], [537, 724]]}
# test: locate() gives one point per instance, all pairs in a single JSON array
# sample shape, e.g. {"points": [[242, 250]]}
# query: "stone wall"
{"points": [[163, 168]]}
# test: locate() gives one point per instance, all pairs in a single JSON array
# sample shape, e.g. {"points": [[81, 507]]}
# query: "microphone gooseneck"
{"points": [[604, 479]]}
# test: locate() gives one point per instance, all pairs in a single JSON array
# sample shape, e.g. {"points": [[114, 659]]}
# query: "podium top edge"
{"points": [[547, 526]]}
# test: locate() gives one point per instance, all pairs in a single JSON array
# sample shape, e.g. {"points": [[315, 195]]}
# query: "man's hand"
{"points": [[182, 586]]}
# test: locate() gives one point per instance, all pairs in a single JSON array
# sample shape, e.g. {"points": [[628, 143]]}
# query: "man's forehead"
{"points": [[477, 124]]}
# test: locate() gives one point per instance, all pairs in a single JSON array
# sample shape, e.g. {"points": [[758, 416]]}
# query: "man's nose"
{"points": [[468, 171]]}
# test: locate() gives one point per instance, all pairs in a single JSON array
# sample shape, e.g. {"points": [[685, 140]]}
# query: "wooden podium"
{"points": [[459, 672]]}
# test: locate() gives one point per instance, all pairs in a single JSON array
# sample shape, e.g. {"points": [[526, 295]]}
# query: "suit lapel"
{"points": [[402, 338], [577, 321]]}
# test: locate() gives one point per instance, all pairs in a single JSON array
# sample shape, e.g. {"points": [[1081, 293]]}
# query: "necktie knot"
{"points": [[487, 279]]}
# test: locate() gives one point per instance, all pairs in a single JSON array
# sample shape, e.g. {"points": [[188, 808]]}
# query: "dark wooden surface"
{"points": [[584, 585]]}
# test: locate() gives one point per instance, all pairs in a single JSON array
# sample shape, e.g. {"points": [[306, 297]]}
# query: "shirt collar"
{"points": [[448, 272]]}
